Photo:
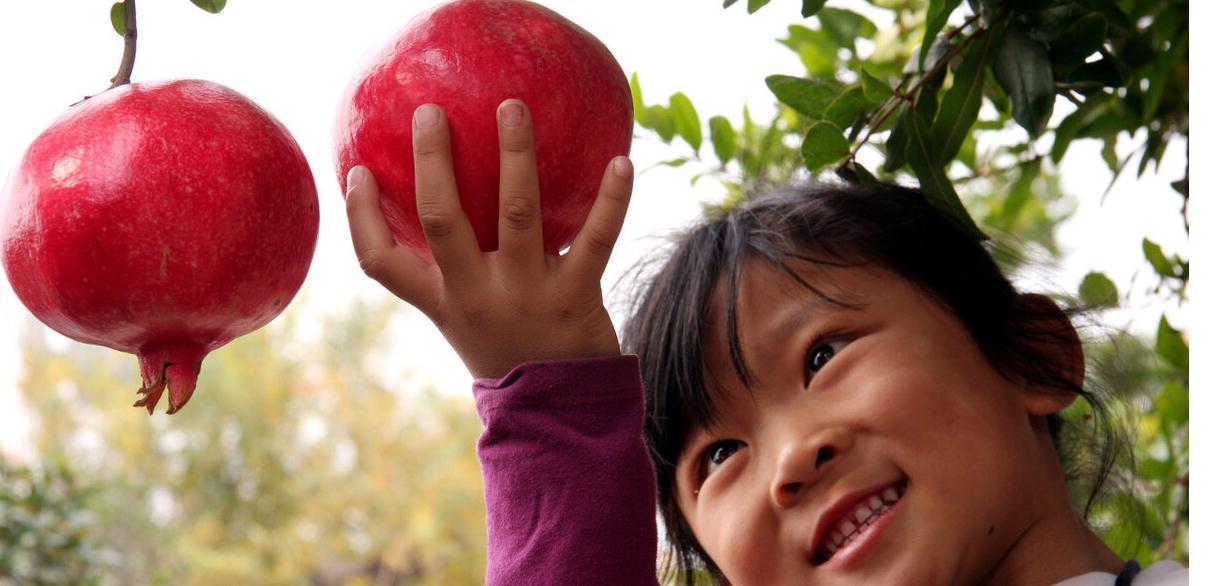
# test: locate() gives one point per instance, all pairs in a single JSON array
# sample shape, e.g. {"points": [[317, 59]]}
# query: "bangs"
{"points": [[699, 285]]}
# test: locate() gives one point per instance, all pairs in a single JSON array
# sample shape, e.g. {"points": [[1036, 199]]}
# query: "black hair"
{"points": [[839, 225]]}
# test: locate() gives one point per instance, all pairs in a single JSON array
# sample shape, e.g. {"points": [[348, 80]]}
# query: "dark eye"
{"points": [[717, 453], [819, 355]]}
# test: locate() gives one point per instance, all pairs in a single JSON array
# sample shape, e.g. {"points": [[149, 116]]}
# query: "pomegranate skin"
{"points": [[161, 219], [468, 56]]}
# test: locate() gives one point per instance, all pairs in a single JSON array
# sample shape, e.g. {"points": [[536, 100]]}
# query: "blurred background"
{"points": [[337, 444]]}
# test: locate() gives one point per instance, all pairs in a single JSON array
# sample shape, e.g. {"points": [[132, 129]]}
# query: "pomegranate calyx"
{"points": [[175, 367]]}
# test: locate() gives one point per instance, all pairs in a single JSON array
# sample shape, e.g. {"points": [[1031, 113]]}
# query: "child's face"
{"points": [[887, 418]]}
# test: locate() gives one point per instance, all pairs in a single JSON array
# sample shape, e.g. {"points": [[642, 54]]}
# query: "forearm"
{"points": [[569, 488]]}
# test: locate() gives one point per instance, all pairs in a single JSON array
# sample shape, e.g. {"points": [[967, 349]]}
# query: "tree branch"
{"points": [[899, 97]]}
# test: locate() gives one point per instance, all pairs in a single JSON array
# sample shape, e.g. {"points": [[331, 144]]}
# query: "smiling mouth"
{"points": [[848, 529]]}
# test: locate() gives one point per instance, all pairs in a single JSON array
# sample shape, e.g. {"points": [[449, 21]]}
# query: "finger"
{"points": [[446, 228], [520, 228], [398, 268], [592, 247]]}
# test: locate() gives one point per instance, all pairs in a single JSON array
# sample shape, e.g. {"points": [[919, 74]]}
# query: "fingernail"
{"points": [[355, 178], [621, 166], [425, 116], [511, 113]]}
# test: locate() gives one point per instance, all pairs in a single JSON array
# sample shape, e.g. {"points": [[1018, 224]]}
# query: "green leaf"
{"points": [[847, 108], [810, 7], [816, 49], [874, 90], [1018, 195], [1170, 345], [1104, 72], [638, 100], [823, 144], [1155, 469], [1108, 152], [1118, 21], [1074, 124], [960, 105], [1023, 69], [724, 139], [661, 121], [753, 6], [118, 18], [810, 97], [899, 139], [686, 120], [676, 162], [1097, 290], [211, 6], [1158, 260], [728, 3], [1172, 403], [843, 26], [938, 12], [1159, 73], [855, 173], [933, 181], [1079, 40]]}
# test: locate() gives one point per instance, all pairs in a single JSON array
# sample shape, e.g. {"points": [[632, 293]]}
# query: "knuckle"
{"points": [[435, 221], [351, 204], [598, 244], [519, 211], [373, 264], [428, 147], [516, 146]]}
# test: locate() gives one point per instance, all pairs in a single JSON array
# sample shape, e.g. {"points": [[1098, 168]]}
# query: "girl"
{"points": [[841, 387]]}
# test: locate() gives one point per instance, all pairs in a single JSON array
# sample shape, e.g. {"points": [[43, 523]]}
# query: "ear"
{"points": [[1050, 329]]}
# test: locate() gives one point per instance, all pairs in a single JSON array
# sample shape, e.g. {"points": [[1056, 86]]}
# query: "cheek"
{"points": [[740, 539]]}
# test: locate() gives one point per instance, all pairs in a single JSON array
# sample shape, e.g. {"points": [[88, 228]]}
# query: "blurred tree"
{"points": [[295, 463], [962, 99]]}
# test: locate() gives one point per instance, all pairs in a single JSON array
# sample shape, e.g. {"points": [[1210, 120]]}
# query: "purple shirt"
{"points": [[568, 485]]}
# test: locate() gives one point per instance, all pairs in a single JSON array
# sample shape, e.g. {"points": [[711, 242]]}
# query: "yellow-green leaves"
{"points": [[809, 96], [686, 120], [1097, 290], [118, 18], [678, 118], [1170, 345], [211, 6], [724, 139]]}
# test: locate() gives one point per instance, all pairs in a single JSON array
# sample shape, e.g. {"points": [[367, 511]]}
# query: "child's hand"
{"points": [[497, 309]]}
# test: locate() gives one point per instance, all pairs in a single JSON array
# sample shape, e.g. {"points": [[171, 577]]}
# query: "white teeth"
{"points": [[862, 513], [837, 538], [874, 502], [847, 528], [890, 495]]}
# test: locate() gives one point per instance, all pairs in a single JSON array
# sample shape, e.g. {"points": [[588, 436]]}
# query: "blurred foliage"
{"points": [[46, 526], [979, 102], [294, 463]]}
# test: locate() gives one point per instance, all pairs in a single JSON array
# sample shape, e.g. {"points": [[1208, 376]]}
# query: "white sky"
{"points": [[295, 58]]}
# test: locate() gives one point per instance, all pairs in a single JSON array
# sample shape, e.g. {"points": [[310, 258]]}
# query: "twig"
{"points": [[900, 98]]}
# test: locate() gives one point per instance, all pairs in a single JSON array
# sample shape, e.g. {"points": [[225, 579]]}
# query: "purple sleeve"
{"points": [[568, 485]]}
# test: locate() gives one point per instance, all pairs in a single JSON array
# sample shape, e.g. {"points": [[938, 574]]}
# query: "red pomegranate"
{"points": [[161, 219], [468, 56]]}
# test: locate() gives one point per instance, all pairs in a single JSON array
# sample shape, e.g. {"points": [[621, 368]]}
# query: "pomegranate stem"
{"points": [[128, 51]]}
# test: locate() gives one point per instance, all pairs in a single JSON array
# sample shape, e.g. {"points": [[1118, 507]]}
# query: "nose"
{"points": [[802, 461]]}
